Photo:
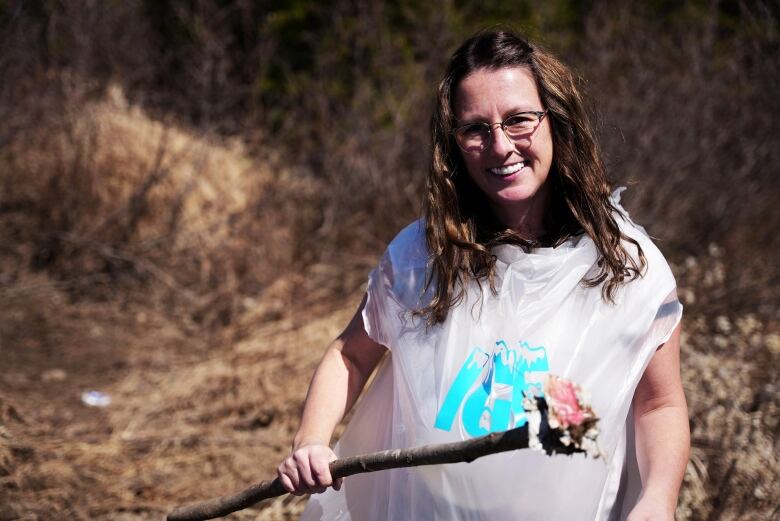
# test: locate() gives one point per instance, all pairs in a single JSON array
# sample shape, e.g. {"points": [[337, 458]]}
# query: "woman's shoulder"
{"points": [[408, 249], [404, 265], [657, 268]]}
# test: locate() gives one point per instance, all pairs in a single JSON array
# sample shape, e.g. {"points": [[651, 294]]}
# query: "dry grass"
{"points": [[185, 422], [110, 201], [729, 373], [199, 411], [144, 297]]}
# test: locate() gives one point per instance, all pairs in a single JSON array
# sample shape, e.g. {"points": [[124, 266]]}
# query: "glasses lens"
{"points": [[520, 124], [473, 138]]}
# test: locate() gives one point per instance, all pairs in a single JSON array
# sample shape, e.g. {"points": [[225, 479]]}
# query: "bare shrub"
{"points": [[728, 363], [102, 192], [689, 119]]}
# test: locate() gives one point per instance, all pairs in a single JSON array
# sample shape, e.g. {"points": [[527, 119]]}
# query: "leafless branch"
{"points": [[462, 451]]}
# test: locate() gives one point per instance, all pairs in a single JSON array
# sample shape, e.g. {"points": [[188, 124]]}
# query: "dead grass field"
{"points": [[136, 300]]}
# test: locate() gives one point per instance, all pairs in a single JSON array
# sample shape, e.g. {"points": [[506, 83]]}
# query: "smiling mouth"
{"points": [[504, 171]]}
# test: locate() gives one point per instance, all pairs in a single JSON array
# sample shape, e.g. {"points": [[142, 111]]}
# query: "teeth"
{"points": [[507, 170]]}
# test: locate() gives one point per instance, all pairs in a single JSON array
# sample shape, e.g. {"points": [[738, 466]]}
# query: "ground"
{"points": [[190, 418]]}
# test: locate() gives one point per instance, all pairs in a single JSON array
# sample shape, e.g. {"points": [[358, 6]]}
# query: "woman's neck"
{"points": [[526, 218]]}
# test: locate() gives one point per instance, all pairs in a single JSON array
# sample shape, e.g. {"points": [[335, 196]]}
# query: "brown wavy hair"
{"points": [[460, 227]]}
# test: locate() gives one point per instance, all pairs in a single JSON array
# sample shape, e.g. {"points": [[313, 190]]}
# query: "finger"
{"points": [[291, 470], [304, 470], [286, 483], [321, 473], [337, 482]]}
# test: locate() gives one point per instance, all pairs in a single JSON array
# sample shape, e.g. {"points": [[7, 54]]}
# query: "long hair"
{"points": [[461, 229]]}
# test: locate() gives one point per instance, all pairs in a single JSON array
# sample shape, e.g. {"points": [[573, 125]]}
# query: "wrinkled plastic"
{"points": [[95, 399], [465, 377]]}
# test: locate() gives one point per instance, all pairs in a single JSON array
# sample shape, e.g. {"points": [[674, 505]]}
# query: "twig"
{"points": [[463, 451]]}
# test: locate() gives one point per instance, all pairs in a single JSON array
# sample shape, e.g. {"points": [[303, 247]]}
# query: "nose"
{"points": [[500, 142]]}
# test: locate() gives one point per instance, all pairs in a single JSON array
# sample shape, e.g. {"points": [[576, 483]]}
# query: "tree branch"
{"points": [[462, 451]]}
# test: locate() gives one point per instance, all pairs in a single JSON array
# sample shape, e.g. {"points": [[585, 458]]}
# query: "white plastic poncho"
{"points": [[466, 377]]}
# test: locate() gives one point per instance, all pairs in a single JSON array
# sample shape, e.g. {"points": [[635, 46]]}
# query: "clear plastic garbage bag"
{"points": [[466, 377]]}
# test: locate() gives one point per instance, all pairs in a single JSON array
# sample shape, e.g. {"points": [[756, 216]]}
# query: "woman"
{"points": [[523, 265]]}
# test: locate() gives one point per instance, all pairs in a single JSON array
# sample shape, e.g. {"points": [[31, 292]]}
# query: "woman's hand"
{"points": [[306, 470], [650, 509]]}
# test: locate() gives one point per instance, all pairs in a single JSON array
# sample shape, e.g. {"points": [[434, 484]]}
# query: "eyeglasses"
{"points": [[476, 137]]}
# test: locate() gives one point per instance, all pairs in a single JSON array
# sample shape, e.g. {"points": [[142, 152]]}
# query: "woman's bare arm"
{"points": [[337, 382], [662, 433]]}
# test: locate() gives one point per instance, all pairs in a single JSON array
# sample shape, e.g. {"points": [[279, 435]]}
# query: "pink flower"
{"points": [[565, 402]]}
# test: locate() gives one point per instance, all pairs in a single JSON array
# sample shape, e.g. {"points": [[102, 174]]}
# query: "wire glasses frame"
{"points": [[476, 137]]}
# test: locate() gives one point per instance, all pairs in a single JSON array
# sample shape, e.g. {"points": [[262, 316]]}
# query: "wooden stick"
{"points": [[462, 451]]}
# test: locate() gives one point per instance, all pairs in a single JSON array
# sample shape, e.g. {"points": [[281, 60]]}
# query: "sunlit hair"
{"points": [[460, 227]]}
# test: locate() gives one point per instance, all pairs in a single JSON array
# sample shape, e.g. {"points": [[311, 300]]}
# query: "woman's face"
{"points": [[512, 174]]}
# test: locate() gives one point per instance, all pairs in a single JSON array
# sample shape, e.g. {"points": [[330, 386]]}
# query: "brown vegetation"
{"points": [[192, 193]]}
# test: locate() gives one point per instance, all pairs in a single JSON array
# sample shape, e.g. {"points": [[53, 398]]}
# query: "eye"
{"points": [[473, 138], [524, 120], [474, 131]]}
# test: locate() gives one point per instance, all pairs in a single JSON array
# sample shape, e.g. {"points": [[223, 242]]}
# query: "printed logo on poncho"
{"points": [[488, 389]]}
